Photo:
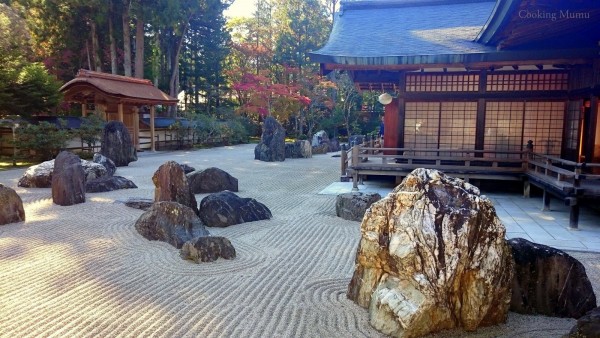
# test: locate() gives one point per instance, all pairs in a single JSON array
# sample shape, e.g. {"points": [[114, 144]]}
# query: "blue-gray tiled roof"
{"points": [[388, 31]]}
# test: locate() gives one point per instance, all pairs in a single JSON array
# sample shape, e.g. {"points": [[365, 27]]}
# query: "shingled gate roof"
{"points": [[116, 87]]}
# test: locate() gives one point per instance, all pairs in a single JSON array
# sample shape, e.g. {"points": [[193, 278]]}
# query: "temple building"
{"points": [[477, 74]]}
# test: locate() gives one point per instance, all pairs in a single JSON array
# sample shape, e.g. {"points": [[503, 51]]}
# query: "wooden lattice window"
{"points": [[442, 82], [437, 125], [509, 125], [526, 81], [544, 126]]}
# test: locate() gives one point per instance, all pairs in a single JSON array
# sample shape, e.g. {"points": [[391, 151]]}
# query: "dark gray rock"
{"points": [[272, 142], [108, 183], [68, 180], [587, 326], [352, 206], [334, 144], [139, 203], [106, 162], [117, 144], [226, 208], [11, 206], [170, 222], [187, 169], [298, 149], [211, 180], [207, 249], [172, 185], [548, 281]]}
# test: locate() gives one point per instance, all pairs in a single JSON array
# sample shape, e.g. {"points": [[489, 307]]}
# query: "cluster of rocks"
{"points": [[322, 144], [174, 217], [272, 146], [71, 177], [433, 256]]}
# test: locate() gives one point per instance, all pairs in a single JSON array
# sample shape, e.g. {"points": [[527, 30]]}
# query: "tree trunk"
{"points": [[139, 48], [95, 47], [126, 39], [174, 83], [113, 43]]}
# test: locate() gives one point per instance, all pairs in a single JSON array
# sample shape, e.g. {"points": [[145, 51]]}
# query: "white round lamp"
{"points": [[385, 99]]}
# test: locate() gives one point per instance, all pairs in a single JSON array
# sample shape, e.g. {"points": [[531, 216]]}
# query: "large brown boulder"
{"points": [[117, 144], [549, 282], [68, 180], [211, 180], [207, 249], [170, 222], [432, 256], [226, 208], [11, 206], [172, 185], [272, 142]]}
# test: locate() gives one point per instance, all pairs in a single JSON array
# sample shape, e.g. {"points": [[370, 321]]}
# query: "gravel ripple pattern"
{"points": [[84, 271]]}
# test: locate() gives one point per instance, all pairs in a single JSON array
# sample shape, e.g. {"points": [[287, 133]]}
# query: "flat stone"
{"points": [[352, 206], [207, 249]]}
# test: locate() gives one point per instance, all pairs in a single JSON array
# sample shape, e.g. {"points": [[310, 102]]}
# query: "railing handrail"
{"points": [[547, 165]]}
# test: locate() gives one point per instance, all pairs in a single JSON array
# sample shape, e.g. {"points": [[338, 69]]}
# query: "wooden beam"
{"points": [[136, 128], [83, 109], [152, 131], [120, 112]]}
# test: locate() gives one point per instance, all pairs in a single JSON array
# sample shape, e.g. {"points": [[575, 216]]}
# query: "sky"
{"points": [[241, 8]]}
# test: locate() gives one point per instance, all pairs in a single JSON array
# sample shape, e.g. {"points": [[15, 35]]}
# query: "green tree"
{"points": [[90, 130], [302, 26], [45, 139], [25, 87]]}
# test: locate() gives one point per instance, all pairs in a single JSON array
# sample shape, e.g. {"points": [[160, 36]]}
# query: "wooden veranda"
{"points": [[568, 181]]}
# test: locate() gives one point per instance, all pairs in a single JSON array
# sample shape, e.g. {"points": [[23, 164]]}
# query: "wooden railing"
{"points": [[397, 161]]}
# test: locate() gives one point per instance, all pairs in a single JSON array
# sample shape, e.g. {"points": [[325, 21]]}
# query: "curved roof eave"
{"points": [[464, 59], [498, 20]]}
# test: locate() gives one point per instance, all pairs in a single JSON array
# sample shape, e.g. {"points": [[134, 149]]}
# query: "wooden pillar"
{"points": [[152, 132], [83, 110], [574, 214], [546, 200], [136, 128], [120, 112], [526, 188]]}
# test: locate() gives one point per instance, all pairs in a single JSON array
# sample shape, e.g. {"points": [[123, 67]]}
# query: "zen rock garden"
{"points": [[433, 256]]}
